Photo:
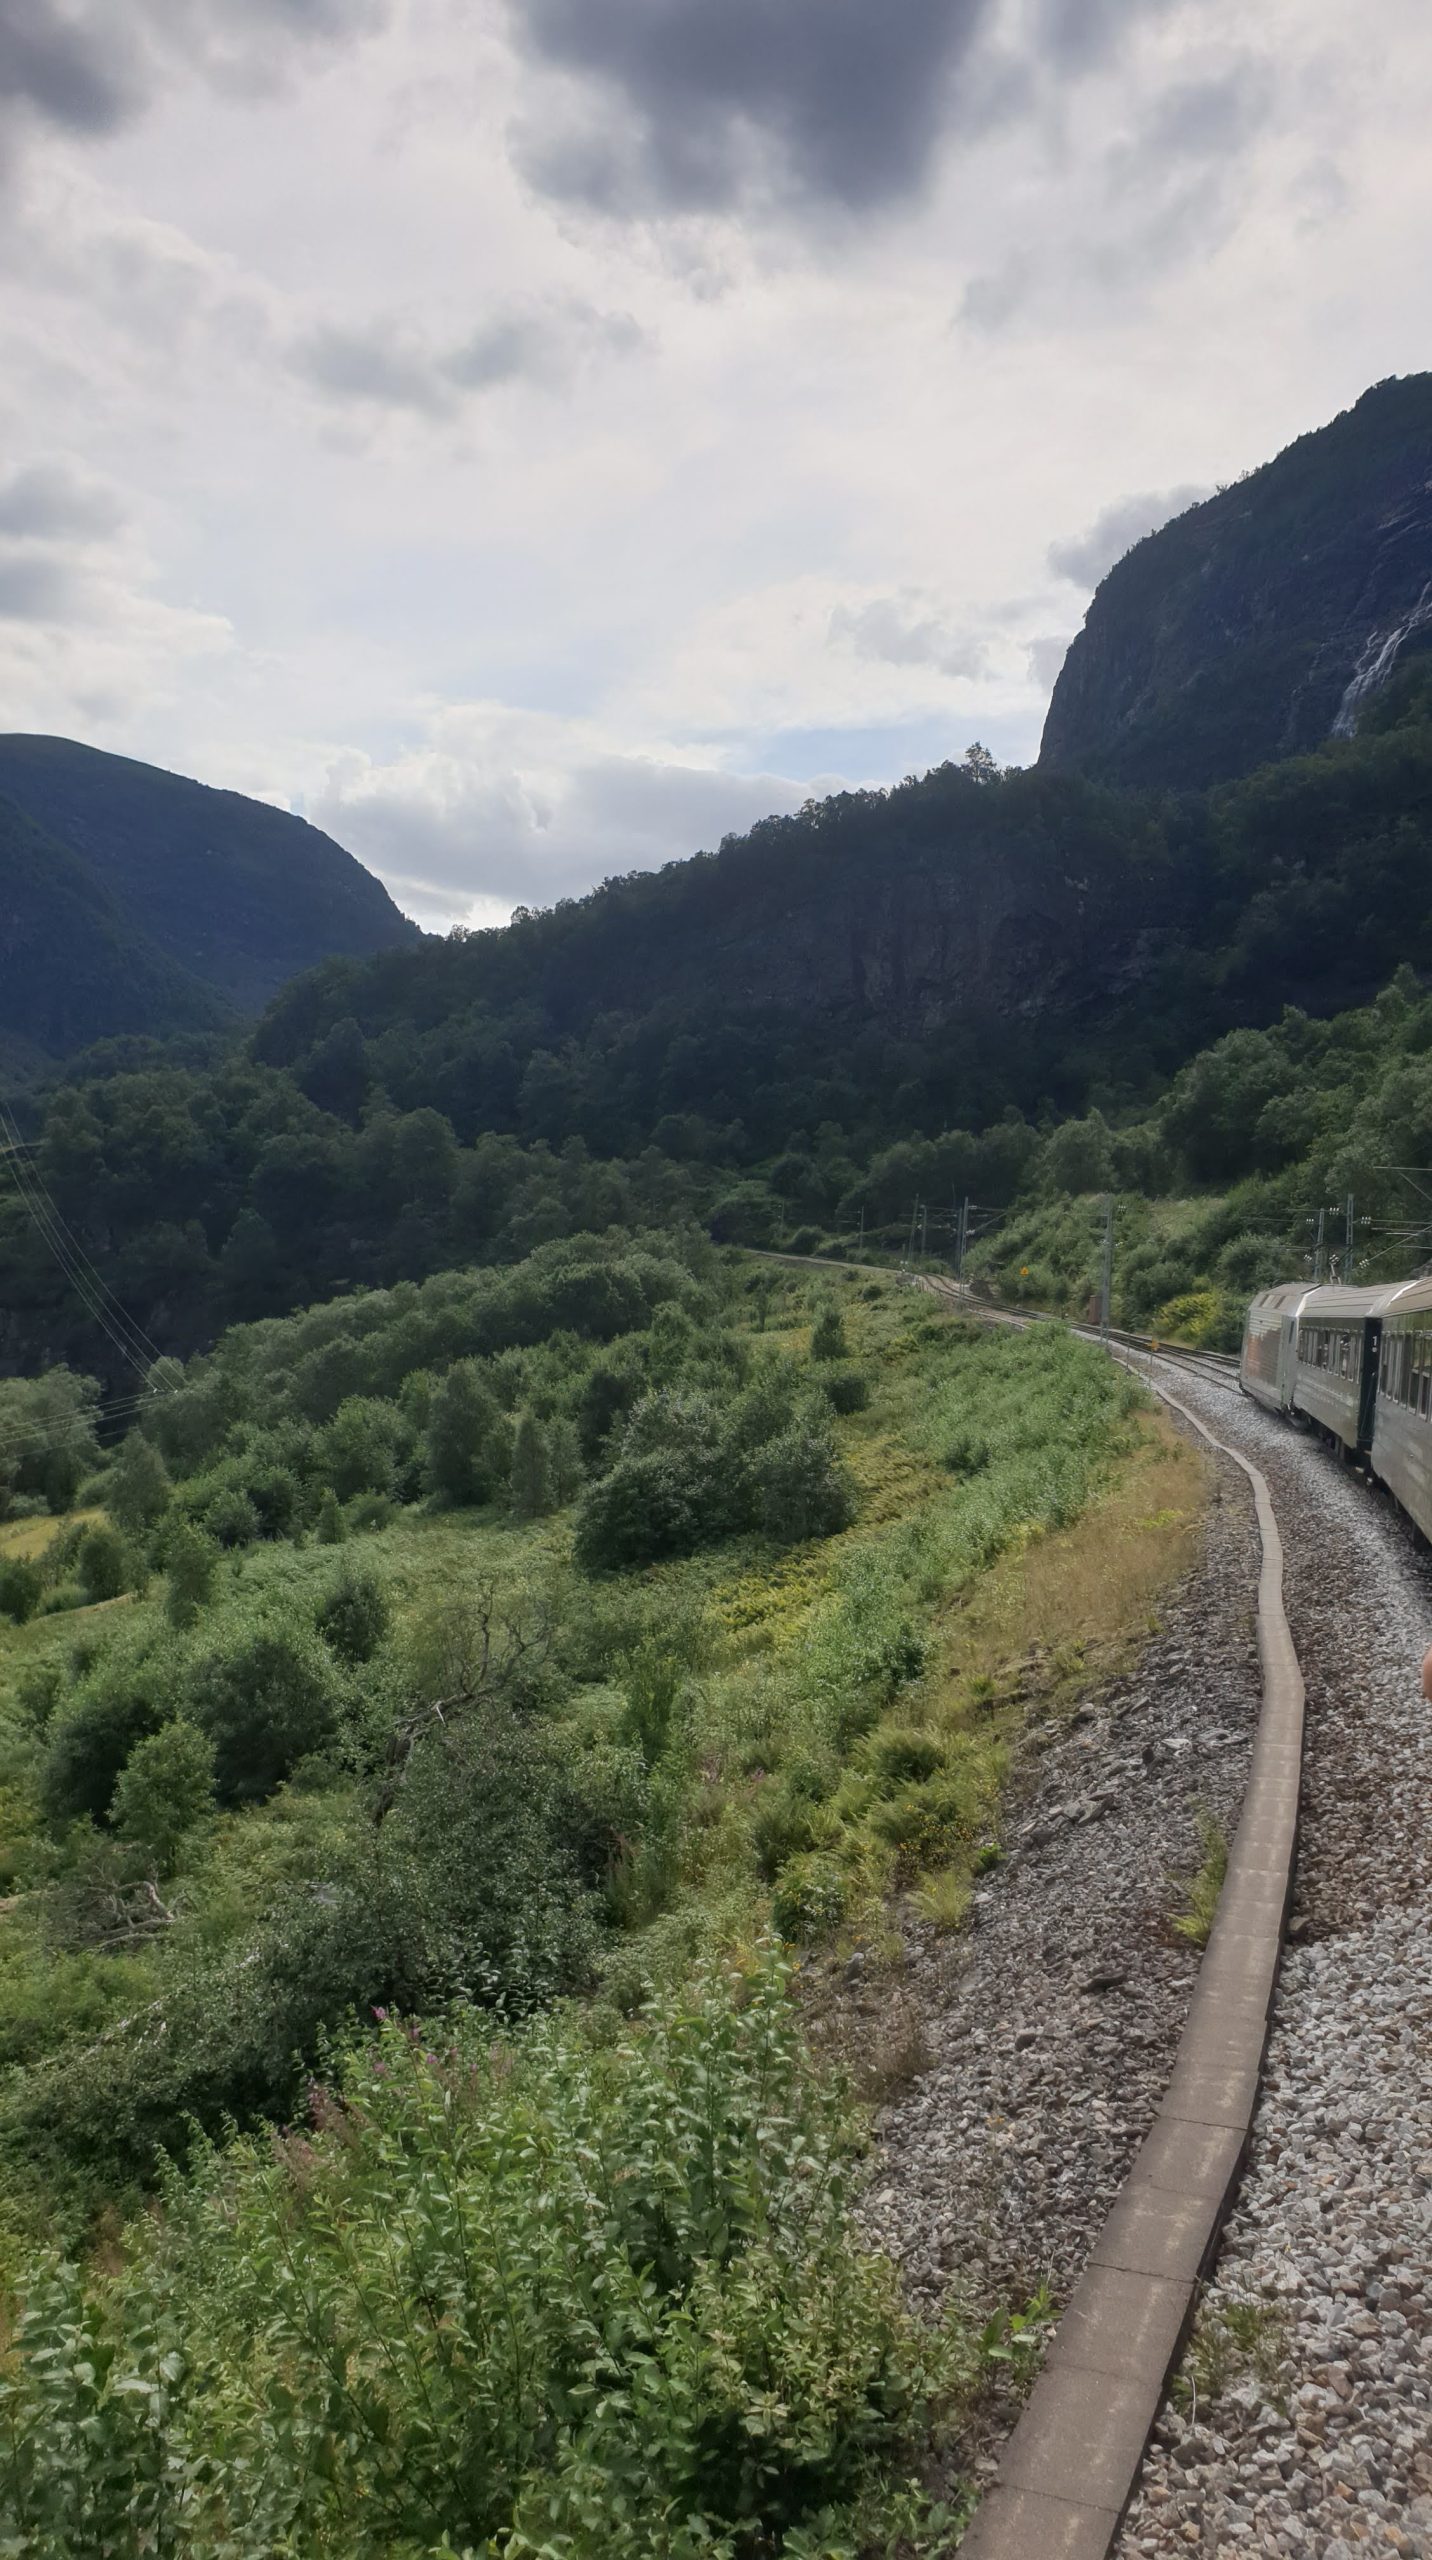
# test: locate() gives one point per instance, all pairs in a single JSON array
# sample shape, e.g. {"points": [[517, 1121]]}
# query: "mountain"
{"points": [[1256, 625], [234, 896], [73, 970]]}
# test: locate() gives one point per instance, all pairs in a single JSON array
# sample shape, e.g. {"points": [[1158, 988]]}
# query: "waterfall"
{"points": [[1379, 656]]}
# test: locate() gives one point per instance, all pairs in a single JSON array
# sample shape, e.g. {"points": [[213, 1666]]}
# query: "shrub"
{"points": [[848, 1390], [648, 1507], [902, 1754], [22, 1588], [810, 1899], [802, 1489], [125, 1696], [106, 1564], [704, 2361], [165, 1787], [355, 1615], [827, 1341], [330, 1528], [268, 1697], [231, 1519], [138, 1490]]}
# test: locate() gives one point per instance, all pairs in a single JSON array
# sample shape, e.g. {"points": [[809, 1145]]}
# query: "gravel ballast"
{"points": [[1302, 2422], [1052, 2025]]}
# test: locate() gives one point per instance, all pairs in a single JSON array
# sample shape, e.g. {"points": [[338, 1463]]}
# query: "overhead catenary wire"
{"points": [[129, 1339]]}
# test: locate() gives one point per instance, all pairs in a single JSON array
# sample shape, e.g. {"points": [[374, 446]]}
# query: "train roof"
{"points": [[1414, 1298], [1336, 1305], [1281, 1301]]}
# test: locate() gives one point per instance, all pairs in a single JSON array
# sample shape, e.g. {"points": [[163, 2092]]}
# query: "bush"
{"points": [[810, 1899], [330, 1528], [22, 1588], [356, 1615], [268, 1697], [106, 1564], [848, 1390], [802, 1489], [125, 1696], [902, 1753], [231, 1519], [827, 1341], [753, 2375], [165, 1787]]}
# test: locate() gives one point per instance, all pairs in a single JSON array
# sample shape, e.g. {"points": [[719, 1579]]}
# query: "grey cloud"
{"points": [[391, 369], [36, 587], [1046, 656], [902, 631], [73, 68], [1206, 120], [89, 66], [47, 502], [1087, 556], [374, 364], [502, 837], [685, 105]]}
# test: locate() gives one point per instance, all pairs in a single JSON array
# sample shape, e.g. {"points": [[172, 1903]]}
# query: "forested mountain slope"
{"points": [[235, 894], [1253, 625], [73, 967]]}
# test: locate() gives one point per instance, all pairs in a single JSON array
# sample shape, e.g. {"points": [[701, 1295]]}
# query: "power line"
{"points": [[128, 1338]]}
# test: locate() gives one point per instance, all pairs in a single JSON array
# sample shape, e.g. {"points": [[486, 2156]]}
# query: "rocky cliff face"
{"points": [[1257, 624]]}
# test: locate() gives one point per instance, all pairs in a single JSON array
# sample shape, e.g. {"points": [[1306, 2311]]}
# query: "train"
{"points": [[1356, 1363]]}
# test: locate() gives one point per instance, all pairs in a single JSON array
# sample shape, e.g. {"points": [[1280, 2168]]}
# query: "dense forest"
{"points": [[471, 1099]]}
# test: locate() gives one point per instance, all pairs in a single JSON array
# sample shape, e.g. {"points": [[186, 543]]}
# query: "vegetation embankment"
{"points": [[526, 1634]]}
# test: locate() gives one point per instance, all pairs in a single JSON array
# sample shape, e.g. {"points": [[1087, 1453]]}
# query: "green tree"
{"points": [[827, 1340], [803, 1490], [330, 1528], [362, 1449], [106, 1564], [356, 1614], [138, 1492], [191, 1562], [268, 1696], [466, 1454], [530, 1484], [21, 1589], [165, 1787]]}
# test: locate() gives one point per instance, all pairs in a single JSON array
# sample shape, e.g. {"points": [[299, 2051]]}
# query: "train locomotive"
{"points": [[1358, 1364]]}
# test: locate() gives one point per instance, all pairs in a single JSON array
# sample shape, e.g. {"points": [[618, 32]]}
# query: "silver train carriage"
{"points": [[1358, 1362]]}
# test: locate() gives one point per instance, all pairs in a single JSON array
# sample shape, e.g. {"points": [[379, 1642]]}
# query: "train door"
{"points": [[1367, 1393]]}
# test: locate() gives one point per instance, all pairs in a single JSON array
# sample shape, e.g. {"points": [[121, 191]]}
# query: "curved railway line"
{"points": [[1300, 2104]]}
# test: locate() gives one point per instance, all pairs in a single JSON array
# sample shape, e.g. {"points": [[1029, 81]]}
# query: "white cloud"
{"points": [[494, 811], [788, 473]]}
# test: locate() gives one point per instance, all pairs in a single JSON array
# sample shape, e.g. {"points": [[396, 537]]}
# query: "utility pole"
{"points": [[1106, 1277], [1347, 1249], [924, 1230], [962, 1237], [914, 1222], [862, 1226], [1318, 1249]]}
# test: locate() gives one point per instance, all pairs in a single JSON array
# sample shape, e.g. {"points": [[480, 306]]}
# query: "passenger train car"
{"points": [[1358, 1363]]}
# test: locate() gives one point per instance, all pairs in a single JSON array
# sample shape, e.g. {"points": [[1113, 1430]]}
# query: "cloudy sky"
{"points": [[533, 437]]}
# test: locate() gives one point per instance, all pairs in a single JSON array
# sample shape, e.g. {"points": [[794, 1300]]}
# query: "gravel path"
{"points": [[1053, 2024], [1302, 2422]]}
